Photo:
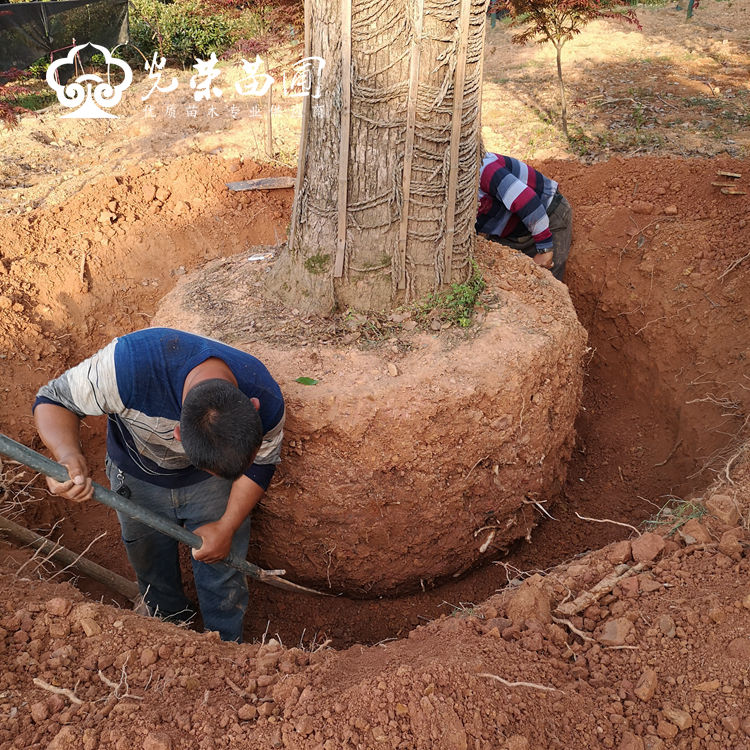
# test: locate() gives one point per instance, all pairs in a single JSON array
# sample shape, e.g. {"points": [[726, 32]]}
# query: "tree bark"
{"points": [[400, 212]]}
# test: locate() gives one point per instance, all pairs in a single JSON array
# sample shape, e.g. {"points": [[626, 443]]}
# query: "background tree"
{"points": [[385, 201], [557, 21], [11, 87]]}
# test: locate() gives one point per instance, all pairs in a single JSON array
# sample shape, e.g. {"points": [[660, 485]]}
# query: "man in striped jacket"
{"points": [[521, 208], [194, 434]]}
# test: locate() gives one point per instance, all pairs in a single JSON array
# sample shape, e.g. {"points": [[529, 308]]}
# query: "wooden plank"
{"points": [[729, 174], [732, 191], [269, 124], [262, 183], [346, 106], [475, 199], [411, 121], [302, 152], [58, 553], [458, 96]]}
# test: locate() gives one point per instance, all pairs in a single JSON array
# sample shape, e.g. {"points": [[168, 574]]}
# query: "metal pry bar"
{"points": [[58, 472]]}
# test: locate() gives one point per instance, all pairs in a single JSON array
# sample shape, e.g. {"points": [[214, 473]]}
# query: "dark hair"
{"points": [[220, 428]]}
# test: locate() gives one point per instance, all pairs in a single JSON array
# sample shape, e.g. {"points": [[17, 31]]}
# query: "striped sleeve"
{"points": [[269, 454], [523, 202], [89, 388]]}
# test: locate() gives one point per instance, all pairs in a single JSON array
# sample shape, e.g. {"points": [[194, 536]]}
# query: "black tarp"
{"points": [[29, 31]]}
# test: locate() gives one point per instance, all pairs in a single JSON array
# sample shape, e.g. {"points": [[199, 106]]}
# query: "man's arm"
{"points": [[523, 202], [217, 536], [59, 429], [88, 388]]}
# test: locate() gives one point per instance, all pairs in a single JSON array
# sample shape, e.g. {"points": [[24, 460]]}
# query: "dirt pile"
{"points": [[412, 461], [75, 275], [643, 644]]}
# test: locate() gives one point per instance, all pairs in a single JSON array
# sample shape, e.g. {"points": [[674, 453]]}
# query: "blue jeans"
{"points": [[222, 591]]}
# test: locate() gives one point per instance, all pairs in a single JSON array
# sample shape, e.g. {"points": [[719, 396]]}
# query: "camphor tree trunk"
{"points": [[386, 192]]}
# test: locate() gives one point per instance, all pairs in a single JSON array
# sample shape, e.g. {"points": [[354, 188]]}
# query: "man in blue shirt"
{"points": [[194, 433]]}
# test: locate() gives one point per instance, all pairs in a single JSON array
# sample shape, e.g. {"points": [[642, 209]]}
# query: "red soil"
{"points": [[667, 315]]}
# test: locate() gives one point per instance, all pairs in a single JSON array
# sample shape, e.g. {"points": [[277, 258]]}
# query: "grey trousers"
{"points": [[561, 226]]}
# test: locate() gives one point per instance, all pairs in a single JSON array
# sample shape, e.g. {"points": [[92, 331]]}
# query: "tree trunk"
{"points": [[563, 100], [386, 193]]}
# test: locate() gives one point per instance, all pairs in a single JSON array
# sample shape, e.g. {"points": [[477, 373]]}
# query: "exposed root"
{"points": [[73, 564], [572, 628], [507, 683], [40, 561], [603, 587], [608, 520], [118, 686], [69, 694], [671, 453], [734, 265]]}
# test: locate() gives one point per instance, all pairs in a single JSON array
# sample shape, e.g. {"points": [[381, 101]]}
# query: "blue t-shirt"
{"points": [[137, 380]]}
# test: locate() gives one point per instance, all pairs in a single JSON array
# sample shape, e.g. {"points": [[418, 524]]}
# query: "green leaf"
{"points": [[306, 381]]}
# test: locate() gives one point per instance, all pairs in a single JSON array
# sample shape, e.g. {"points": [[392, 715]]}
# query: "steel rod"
{"points": [[58, 472]]}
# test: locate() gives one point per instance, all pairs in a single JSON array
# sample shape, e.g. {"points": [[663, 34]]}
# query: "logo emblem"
{"points": [[89, 92]]}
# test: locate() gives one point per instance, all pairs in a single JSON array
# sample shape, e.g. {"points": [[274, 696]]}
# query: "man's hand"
{"points": [[217, 535], [217, 541], [79, 487], [544, 259]]}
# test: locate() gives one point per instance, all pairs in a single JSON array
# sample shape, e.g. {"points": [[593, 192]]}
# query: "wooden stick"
{"points": [[458, 100], [729, 174], [269, 124], [732, 191], [346, 110], [262, 183], [411, 119], [603, 587], [128, 589], [304, 134]]}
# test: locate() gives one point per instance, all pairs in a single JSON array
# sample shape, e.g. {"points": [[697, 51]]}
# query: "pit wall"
{"points": [[651, 275]]}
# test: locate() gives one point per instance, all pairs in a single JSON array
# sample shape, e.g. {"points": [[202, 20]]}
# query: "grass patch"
{"points": [[33, 100], [675, 513]]}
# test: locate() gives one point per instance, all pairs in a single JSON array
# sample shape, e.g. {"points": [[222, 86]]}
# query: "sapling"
{"points": [[557, 21]]}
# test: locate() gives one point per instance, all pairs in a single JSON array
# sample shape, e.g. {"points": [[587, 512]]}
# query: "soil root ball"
{"points": [[390, 482]]}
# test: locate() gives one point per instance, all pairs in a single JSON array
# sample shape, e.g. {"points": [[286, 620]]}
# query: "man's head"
{"points": [[220, 428]]}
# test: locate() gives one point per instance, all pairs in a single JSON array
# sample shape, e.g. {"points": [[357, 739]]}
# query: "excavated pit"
{"points": [[664, 396]]}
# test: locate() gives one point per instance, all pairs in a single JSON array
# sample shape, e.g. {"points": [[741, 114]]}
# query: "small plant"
{"points": [[458, 303], [676, 512], [465, 609], [11, 87]]}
